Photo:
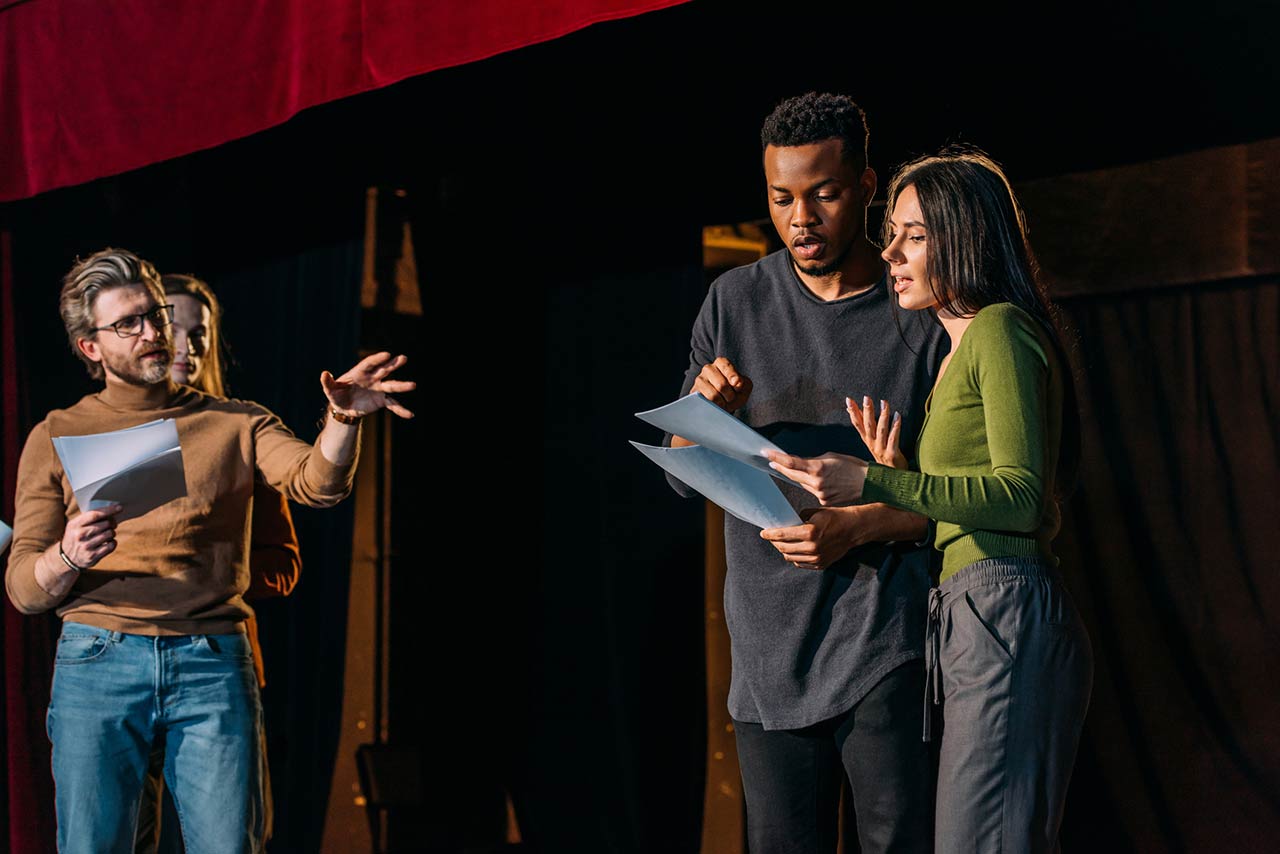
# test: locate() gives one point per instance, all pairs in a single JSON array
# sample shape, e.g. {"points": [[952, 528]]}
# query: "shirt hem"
{"points": [[851, 699]]}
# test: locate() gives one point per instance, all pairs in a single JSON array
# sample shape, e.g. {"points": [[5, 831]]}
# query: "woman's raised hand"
{"points": [[879, 433]]}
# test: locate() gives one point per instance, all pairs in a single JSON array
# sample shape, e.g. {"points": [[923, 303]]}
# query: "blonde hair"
{"points": [[210, 379]]}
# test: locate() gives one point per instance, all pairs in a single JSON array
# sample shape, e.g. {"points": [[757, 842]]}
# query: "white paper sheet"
{"points": [[139, 467], [6, 534], [740, 489], [697, 419]]}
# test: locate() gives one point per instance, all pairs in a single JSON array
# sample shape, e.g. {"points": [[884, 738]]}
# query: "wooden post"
{"points": [[723, 813]]}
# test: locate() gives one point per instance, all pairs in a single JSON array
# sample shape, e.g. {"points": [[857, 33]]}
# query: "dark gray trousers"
{"points": [[1011, 664], [791, 778]]}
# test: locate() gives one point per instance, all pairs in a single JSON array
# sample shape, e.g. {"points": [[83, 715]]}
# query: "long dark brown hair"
{"points": [[210, 380], [977, 254]]}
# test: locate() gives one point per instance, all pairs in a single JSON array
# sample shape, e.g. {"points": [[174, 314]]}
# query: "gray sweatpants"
{"points": [[1010, 662]]}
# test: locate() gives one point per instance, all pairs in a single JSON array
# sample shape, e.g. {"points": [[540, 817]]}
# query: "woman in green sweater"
{"points": [[1009, 659]]}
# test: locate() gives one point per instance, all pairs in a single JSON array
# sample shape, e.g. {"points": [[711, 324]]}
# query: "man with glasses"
{"points": [[152, 648]]}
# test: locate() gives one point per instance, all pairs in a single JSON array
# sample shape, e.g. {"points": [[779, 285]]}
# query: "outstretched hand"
{"points": [[880, 435], [365, 388], [833, 479]]}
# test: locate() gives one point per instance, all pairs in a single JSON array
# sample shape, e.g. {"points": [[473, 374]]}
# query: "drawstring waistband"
{"points": [[932, 652], [988, 571]]}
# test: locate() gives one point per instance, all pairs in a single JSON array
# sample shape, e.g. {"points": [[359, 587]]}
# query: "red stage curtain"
{"points": [[94, 89]]}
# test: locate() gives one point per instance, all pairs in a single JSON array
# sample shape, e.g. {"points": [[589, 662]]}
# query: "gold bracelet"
{"points": [[343, 418]]}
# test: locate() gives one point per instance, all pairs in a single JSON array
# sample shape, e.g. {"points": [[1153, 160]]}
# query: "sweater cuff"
{"points": [[328, 481], [25, 593], [885, 485]]}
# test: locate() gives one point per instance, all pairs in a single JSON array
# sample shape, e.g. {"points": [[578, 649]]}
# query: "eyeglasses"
{"points": [[128, 327]]}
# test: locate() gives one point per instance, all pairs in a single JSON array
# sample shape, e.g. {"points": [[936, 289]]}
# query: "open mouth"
{"points": [[809, 247]]}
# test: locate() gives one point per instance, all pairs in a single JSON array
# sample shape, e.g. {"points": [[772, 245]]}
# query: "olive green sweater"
{"points": [[989, 445], [182, 568]]}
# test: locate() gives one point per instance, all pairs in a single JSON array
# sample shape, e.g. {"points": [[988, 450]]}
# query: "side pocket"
{"points": [[231, 647], [81, 649], [988, 623]]}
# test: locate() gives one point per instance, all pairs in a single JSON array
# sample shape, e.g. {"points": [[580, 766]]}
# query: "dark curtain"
{"points": [[28, 817], [620, 587], [1170, 552], [288, 319]]}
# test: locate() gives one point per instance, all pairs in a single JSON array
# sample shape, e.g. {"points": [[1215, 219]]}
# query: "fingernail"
{"points": [[897, 416], [884, 404], [866, 400]]}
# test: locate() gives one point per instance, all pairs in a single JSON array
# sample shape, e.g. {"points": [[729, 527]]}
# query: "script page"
{"points": [[139, 467]]}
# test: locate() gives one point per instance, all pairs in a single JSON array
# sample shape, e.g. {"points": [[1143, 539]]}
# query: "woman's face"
{"points": [[906, 252], [190, 337]]}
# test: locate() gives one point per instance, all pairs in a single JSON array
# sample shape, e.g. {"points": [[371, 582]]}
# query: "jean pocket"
{"points": [[231, 647], [81, 648]]}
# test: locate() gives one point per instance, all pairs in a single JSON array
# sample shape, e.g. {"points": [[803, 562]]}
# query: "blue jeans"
{"points": [[114, 695]]}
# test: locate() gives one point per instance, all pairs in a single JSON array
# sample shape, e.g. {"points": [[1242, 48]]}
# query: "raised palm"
{"points": [[365, 388], [879, 433]]}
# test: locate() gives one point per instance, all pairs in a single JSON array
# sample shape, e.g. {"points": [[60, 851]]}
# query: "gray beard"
{"points": [[134, 372]]}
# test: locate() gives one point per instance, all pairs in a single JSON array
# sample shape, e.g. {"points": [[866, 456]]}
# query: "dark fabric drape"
{"points": [[626, 603], [90, 89], [1169, 549], [288, 319], [28, 652]]}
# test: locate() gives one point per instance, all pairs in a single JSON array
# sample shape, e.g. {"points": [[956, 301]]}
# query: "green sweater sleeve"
{"points": [[1007, 369]]}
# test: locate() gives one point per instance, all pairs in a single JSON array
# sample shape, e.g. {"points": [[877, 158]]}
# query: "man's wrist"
{"points": [[882, 523], [344, 417], [855, 533], [926, 538], [68, 562]]}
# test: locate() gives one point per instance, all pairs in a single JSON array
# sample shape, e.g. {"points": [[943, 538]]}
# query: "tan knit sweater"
{"points": [[183, 567]]}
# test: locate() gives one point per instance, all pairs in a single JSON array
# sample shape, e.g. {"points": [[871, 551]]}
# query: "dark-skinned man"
{"points": [[826, 618]]}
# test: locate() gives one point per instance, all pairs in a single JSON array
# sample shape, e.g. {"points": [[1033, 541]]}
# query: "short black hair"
{"points": [[813, 117]]}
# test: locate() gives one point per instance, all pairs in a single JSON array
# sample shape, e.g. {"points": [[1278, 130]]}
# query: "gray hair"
{"points": [[101, 271]]}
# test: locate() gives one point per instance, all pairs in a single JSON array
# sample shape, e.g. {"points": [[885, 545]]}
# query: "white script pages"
{"points": [[727, 465], [139, 467]]}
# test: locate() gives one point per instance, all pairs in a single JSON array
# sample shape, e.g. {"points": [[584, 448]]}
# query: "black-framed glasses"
{"points": [[128, 327]]}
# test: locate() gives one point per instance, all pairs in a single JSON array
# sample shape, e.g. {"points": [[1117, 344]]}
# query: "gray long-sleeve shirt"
{"points": [[808, 645]]}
